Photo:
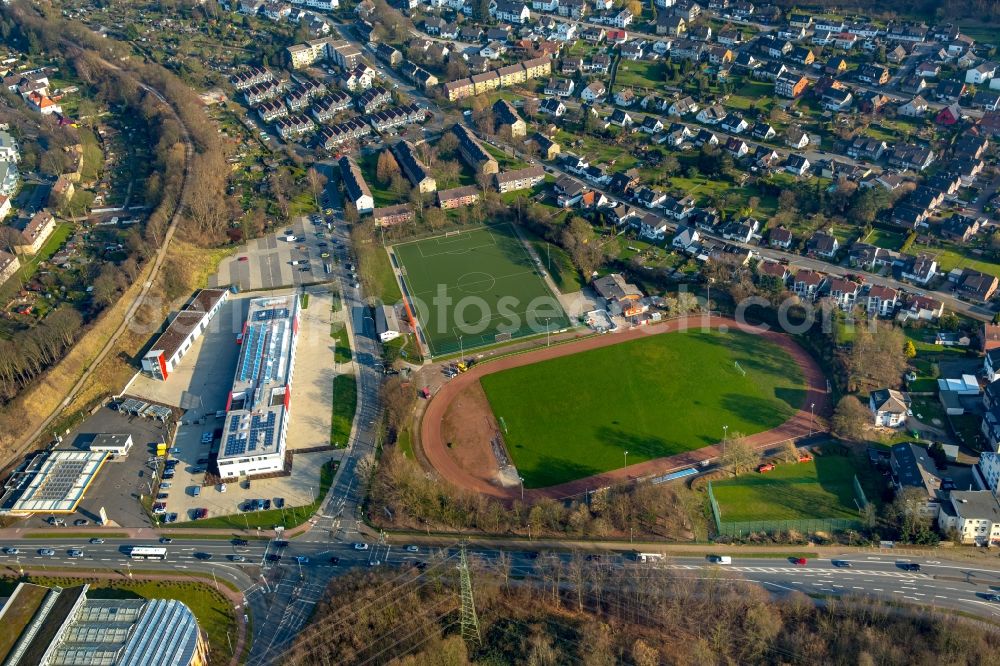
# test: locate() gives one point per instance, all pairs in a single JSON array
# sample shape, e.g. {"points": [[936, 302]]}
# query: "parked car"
{"points": [[765, 467]]}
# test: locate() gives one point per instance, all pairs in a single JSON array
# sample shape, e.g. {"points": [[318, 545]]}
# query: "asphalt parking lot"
{"points": [[266, 263], [120, 482]]}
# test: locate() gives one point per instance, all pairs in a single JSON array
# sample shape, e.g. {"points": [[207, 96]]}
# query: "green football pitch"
{"points": [[823, 488], [574, 416], [475, 288]]}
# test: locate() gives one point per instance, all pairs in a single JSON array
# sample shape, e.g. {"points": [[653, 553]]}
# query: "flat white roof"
{"points": [[58, 483]]}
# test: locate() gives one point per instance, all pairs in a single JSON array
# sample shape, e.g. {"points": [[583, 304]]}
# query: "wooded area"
{"points": [[583, 612]]}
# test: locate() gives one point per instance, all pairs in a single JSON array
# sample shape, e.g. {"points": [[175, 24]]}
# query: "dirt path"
{"points": [[434, 443]]}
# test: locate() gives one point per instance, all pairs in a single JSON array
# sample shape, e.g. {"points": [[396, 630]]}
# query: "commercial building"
{"points": [[258, 409], [62, 627], [168, 350], [51, 482], [358, 192], [386, 323], [115, 445]]}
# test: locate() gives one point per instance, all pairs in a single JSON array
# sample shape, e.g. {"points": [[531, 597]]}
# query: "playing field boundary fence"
{"points": [[803, 525]]}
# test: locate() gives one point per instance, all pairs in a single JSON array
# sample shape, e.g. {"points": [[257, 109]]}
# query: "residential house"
{"points": [[552, 106], [972, 515], [843, 292], [882, 301], [823, 244], [912, 467], [915, 108], [875, 75], [920, 269], [790, 85], [507, 119], [796, 138], [797, 165], [415, 170], [357, 190], [392, 215], [976, 285], [889, 408], [458, 197], [806, 283], [519, 179], [981, 73], [780, 237]]}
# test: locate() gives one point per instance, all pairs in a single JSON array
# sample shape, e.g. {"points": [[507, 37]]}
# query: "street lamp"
{"points": [[626, 459], [521, 479], [725, 437], [547, 320], [461, 350], [812, 417]]}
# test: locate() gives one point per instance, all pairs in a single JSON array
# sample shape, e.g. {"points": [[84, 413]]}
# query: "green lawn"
{"points": [[471, 287], [640, 74], [577, 415], [345, 402], [383, 196], [951, 257], [342, 347], [885, 239], [791, 491], [93, 157]]}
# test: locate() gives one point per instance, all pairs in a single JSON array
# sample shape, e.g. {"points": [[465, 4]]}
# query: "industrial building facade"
{"points": [[168, 350], [258, 409]]}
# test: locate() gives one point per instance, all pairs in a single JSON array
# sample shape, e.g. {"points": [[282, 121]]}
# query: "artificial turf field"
{"points": [[574, 416], [492, 283], [822, 488]]}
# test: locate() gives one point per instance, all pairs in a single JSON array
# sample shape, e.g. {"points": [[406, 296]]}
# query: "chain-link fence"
{"points": [[803, 525]]}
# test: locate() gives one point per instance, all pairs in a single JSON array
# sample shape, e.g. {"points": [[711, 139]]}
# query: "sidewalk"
{"points": [[235, 598]]}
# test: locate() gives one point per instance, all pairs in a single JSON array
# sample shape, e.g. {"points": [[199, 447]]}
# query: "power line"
{"points": [[470, 621]]}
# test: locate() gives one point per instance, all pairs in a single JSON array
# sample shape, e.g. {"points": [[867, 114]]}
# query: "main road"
{"points": [[282, 581]]}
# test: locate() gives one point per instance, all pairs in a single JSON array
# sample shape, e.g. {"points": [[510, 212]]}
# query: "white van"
{"points": [[720, 559]]}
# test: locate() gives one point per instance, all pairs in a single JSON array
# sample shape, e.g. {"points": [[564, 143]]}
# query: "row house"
{"points": [[251, 76], [271, 111], [843, 292], [806, 284], [911, 156], [371, 99], [297, 100], [882, 301], [294, 126], [396, 116], [332, 136], [328, 106], [261, 92]]}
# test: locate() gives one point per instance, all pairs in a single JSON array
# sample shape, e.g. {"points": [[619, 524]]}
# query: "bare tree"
{"points": [[737, 454]]}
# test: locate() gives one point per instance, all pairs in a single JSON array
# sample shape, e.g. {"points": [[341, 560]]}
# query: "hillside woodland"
{"points": [[583, 613]]}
